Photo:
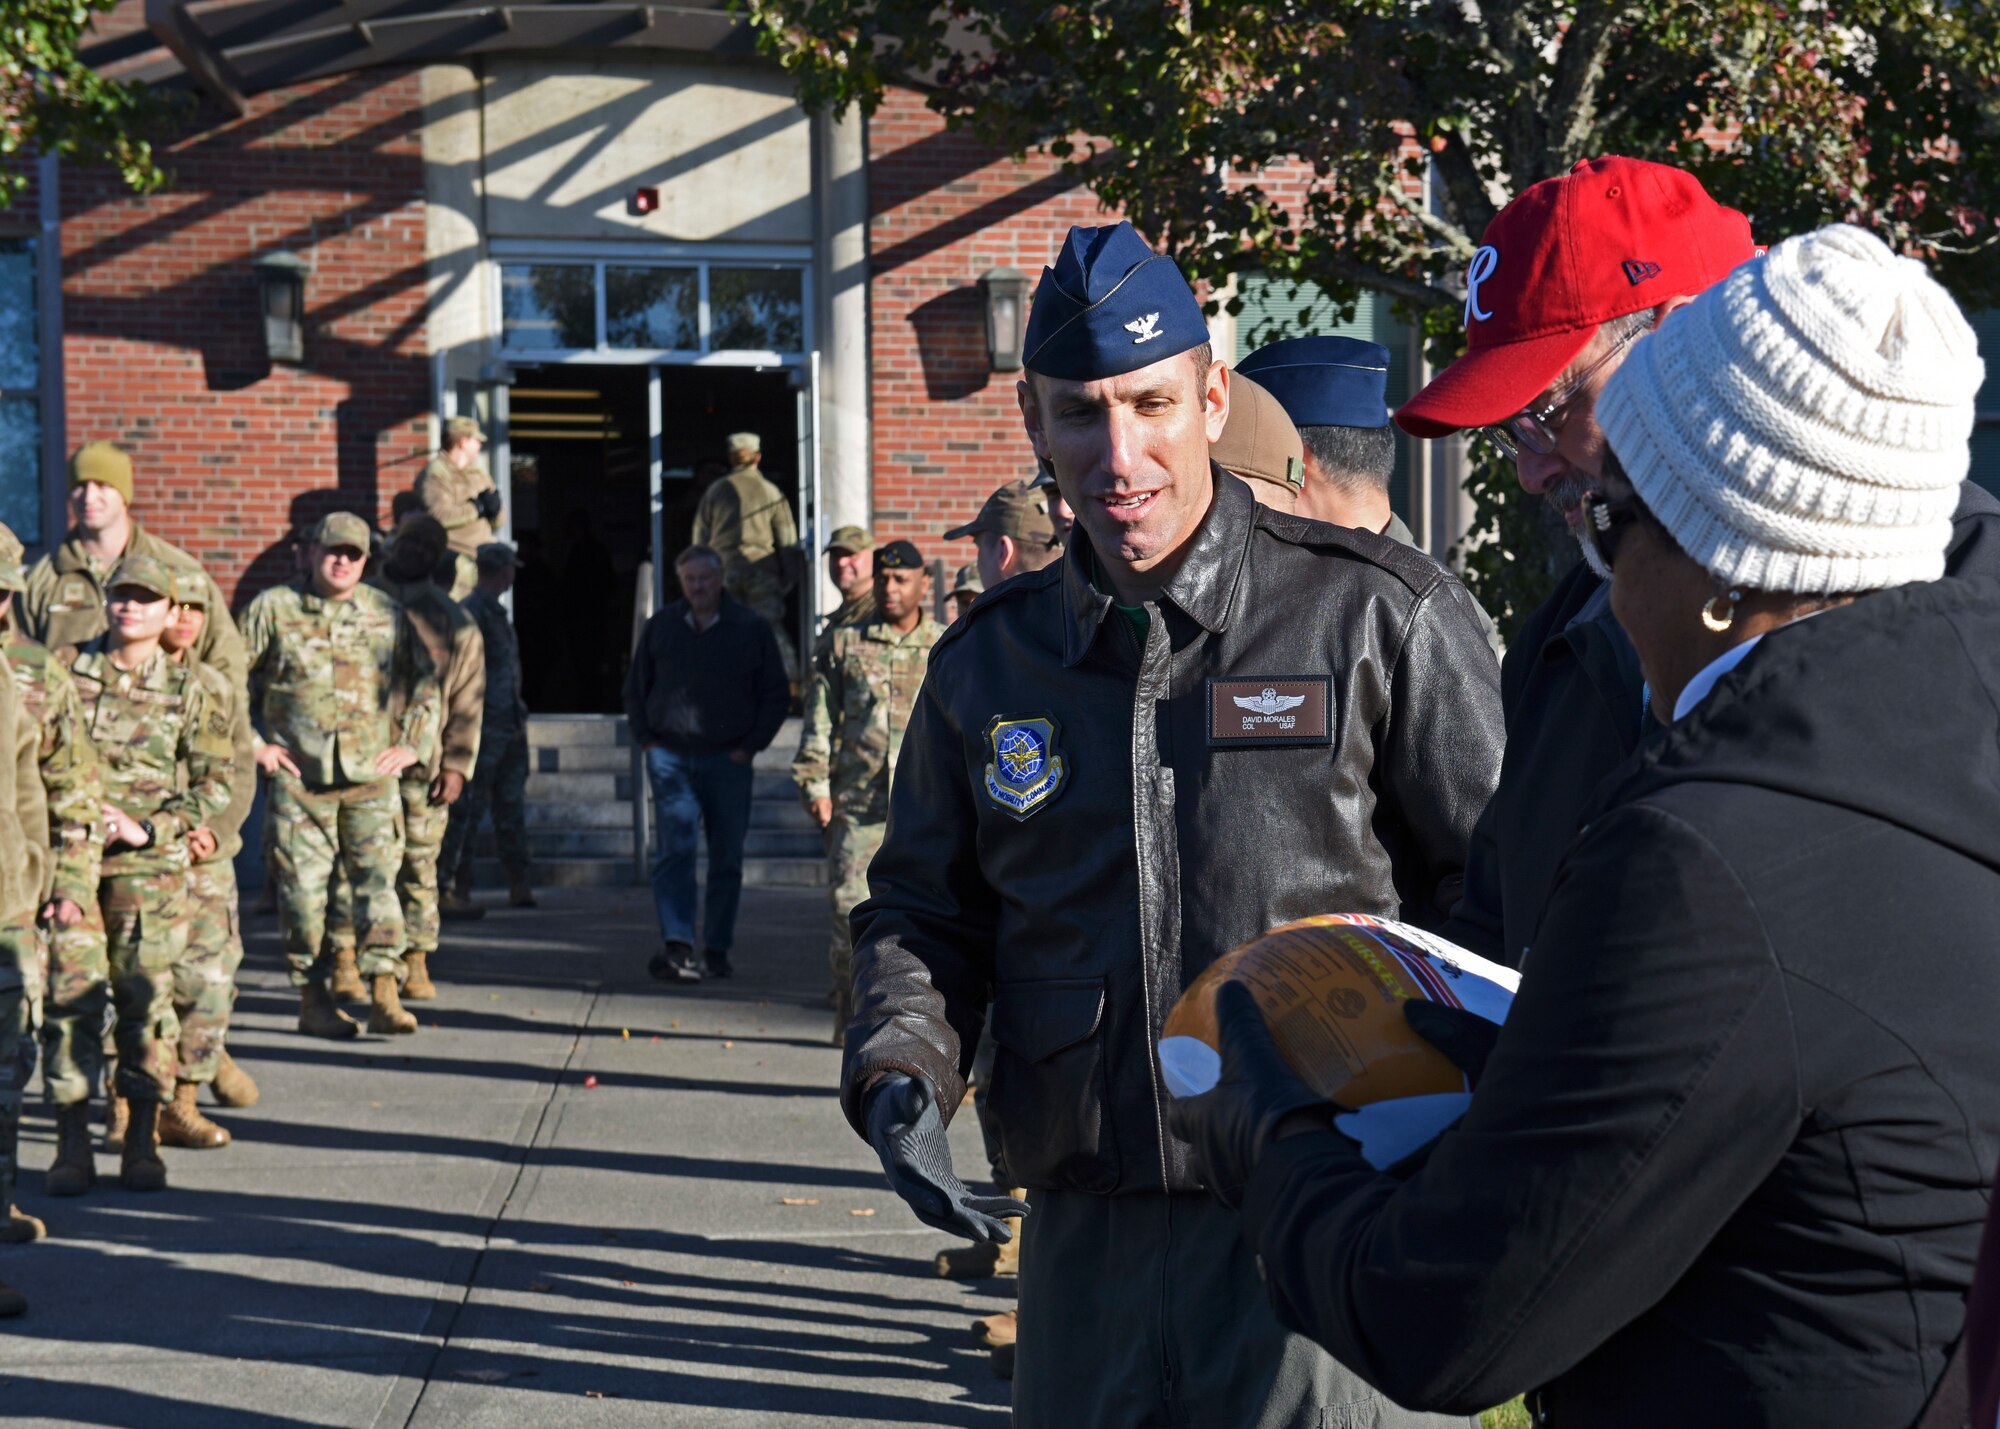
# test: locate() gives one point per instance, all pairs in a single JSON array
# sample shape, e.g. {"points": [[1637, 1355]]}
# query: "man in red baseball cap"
{"points": [[1567, 277]]}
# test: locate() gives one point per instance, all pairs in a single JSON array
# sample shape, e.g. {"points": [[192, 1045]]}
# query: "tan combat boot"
{"points": [[232, 1085], [19, 1227], [993, 1331], [320, 1016], [115, 1117], [519, 893], [346, 984], [984, 1258], [456, 902], [182, 1124], [140, 1167], [418, 987], [387, 1017], [75, 1168]]}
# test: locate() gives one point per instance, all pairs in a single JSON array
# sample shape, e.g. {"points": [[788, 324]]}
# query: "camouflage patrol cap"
{"points": [[899, 556], [190, 587], [146, 572], [457, 429], [1016, 509], [745, 442], [967, 582], [1259, 442], [343, 528], [13, 569], [493, 555], [852, 539]]}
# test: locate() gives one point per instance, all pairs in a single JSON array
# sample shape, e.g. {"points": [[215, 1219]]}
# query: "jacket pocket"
{"points": [[1048, 1090]]}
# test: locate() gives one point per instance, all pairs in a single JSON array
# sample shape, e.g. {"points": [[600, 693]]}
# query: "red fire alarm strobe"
{"points": [[645, 200]]}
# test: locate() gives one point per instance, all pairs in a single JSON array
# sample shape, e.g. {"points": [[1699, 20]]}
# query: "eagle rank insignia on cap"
{"points": [[1026, 771]]}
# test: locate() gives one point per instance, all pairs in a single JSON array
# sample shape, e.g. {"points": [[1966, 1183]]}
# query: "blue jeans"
{"points": [[714, 791]]}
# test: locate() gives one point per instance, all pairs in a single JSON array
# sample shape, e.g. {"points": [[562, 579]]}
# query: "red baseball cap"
{"points": [[1612, 236]]}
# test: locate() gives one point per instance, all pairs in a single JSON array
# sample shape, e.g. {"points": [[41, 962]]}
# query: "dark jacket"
{"points": [[709, 693], [1728, 1162], [1162, 846], [1572, 689]]}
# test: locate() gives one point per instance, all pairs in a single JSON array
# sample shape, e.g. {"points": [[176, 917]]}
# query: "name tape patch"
{"points": [[1256, 711]]}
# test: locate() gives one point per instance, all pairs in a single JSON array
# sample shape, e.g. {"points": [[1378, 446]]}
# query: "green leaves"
{"points": [[51, 103]]}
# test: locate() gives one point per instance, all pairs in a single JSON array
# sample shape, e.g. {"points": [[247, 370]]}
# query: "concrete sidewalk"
{"points": [[562, 1202]]}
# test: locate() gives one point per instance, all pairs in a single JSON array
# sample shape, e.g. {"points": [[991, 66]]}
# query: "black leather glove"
{"points": [[1230, 1125], [488, 503], [1465, 1038], [908, 1134]]}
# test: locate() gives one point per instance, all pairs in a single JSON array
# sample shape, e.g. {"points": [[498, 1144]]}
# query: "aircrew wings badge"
{"points": [[1026, 771]]}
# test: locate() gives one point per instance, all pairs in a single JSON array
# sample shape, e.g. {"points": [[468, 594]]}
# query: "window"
{"points": [[688, 309], [20, 392]]}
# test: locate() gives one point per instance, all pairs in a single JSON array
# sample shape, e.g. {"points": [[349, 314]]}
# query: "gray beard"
{"points": [[1566, 494]]}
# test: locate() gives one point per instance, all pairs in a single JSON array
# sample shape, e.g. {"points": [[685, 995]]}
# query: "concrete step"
{"points": [[580, 759], [579, 788], [568, 814], [487, 873], [570, 731]]}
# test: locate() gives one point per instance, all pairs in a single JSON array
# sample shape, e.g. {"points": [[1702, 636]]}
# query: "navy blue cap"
{"points": [[1324, 381], [1110, 305]]}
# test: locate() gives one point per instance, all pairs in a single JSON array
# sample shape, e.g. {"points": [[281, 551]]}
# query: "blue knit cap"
{"points": [[1324, 381], [1110, 305]]}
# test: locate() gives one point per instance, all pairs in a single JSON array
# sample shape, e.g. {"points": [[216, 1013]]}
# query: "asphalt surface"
{"points": [[573, 1198]]}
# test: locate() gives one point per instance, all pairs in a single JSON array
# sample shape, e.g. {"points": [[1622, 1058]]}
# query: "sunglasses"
{"points": [[1604, 523], [1536, 429]]}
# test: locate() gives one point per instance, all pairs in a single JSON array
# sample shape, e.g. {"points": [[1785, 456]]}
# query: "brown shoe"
{"points": [[18, 1228], [140, 1167], [320, 1015], [993, 1331], [346, 984], [418, 987], [182, 1124], [519, 894], [387, 1017], [232, 1085], [12, 1301], [458, 906], [115, 1117], [75, 1168]]}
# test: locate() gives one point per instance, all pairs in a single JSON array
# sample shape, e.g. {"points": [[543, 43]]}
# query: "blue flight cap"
{"points": [[1110, 305], [1324, 381]]}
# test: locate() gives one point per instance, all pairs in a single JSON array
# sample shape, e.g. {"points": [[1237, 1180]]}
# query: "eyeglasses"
{"points": [[1604, 522], [1537, 429]]}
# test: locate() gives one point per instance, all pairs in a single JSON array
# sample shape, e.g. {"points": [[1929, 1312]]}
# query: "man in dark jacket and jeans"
{"points": [[1208, 718], [707, 691]]}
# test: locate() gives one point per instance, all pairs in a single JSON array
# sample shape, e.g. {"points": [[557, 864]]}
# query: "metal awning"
{"points": [[242, 47]]}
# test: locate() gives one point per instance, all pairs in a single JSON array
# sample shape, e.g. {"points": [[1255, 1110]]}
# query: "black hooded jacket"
{"points": [[1572, 690], [1729, 1160]]}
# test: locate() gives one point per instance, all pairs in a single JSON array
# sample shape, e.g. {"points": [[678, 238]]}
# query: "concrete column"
{"points": [[840, 211], [456, 320]]}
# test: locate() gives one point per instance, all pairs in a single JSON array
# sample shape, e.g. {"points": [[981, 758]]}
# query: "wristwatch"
{"points": [[151, 837]]}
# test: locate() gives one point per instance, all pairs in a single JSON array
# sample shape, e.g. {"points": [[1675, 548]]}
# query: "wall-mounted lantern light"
{"points": [[1006, 293], [281, 297]]}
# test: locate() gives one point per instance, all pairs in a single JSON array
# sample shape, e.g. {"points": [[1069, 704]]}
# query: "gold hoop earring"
{"points": [[1719, 623]]}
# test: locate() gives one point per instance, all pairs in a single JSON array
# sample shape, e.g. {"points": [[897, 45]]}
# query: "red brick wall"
{"points": [[164, 344], [946, 431]]}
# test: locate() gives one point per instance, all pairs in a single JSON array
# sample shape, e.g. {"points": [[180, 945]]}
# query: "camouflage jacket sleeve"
{"points": [[30, 813], [812, 768], [75, 792], [464, 699], [242, 750], [256, 633], [221, 646], [208, 755], [446, 495], [416, 680]]}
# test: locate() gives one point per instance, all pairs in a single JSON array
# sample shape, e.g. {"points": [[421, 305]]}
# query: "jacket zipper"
{"points": [[1144, 782]]}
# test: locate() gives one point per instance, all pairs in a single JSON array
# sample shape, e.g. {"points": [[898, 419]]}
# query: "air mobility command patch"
{"points": [[1026, 771]]}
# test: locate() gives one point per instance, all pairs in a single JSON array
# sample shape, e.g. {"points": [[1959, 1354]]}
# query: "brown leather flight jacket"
{"points": [[1084, 817]]}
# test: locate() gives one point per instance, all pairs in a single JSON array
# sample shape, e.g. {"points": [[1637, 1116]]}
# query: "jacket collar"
{"points": [[1204, 587], [70, 557]]}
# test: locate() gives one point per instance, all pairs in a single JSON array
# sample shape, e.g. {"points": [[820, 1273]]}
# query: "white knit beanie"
{"points": [[1805, 424]]}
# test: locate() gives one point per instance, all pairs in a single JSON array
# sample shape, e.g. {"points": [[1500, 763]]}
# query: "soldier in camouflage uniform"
{"points": [[457, 490], [850, 564], [501, 779], [430, 787], [64, 602], [24, 833], [149, 720], [861, 696], [346, 694], [748, 522], [205, 980], [60, 858]]}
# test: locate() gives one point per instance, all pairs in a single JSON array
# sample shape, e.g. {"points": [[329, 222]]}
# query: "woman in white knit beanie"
{"points": [[1727, 1160], [1799, 435]]}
